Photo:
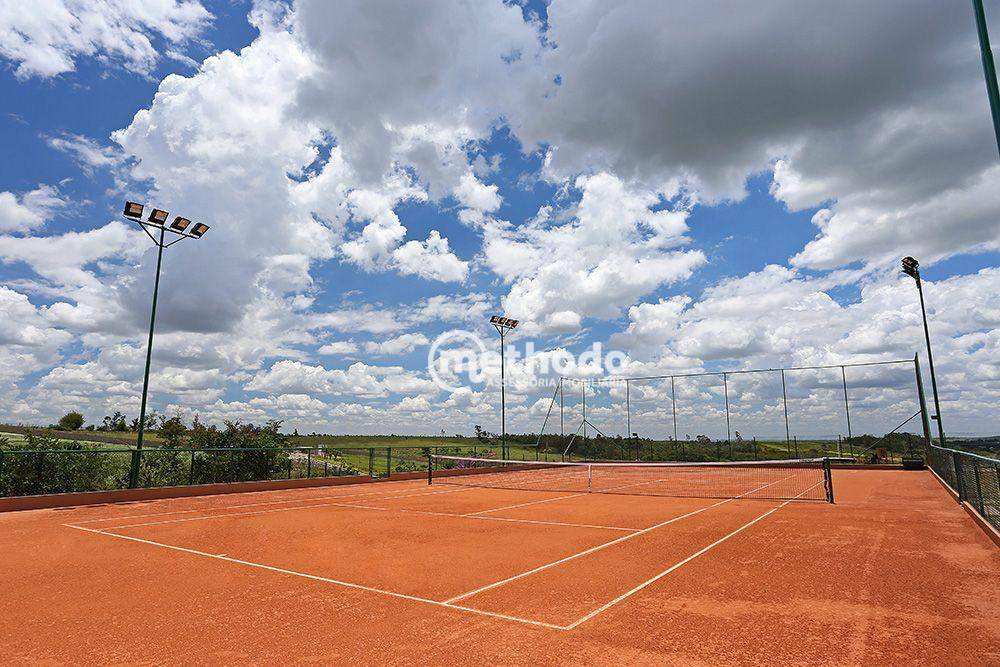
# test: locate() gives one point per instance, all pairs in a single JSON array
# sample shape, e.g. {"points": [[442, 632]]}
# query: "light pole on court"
{"points": [[156, 228], [503, 325], [911, 267]]}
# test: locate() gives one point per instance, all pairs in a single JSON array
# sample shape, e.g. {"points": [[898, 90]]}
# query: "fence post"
{"points": [[430, 468], [191, 470], [673, 406], [957, 460], [562, 405], [388, 462], [847, 405], [133, 473], [755, 448], [729, 433], [628, 411], [309, 463], [784, 400], [979, 488], [921, 399]]}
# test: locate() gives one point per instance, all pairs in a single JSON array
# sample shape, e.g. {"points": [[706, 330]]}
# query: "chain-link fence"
{"points": [[873, 412], [44, 471], [975, 479]]}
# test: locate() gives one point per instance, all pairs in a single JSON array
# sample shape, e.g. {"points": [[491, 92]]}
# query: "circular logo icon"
{"points": [[452, 354]]}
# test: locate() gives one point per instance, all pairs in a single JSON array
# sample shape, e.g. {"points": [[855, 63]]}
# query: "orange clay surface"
{"points": [[405, 573]]}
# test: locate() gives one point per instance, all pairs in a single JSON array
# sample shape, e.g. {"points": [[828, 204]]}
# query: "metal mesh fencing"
{"points": [[38, 472], [975, 479], [872, 412]]}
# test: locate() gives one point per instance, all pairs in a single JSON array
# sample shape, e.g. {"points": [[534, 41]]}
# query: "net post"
{"points": [[828, 480]]}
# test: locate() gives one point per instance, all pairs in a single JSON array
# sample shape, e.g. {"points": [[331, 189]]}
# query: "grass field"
{"points": [[520, 447]]}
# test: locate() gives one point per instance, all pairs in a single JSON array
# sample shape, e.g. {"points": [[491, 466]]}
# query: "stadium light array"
{"points": [[503, 325], [911, 267], [157, 222]]}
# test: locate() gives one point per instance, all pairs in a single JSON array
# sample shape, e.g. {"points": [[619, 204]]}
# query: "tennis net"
{"points": [[787, 479]]}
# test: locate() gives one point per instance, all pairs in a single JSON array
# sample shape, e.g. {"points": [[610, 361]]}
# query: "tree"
{"points": [[172, 431], [116, 422], [151, 419], [71, 421]]}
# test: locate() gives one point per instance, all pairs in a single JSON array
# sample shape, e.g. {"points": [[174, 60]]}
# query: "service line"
{"points": [[605, 545]]}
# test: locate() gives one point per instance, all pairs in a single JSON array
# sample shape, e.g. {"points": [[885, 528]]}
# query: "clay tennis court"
{"points": [[411, 573]]}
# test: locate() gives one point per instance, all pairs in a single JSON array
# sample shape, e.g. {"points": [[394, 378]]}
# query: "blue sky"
{"points": [[376, 176]]}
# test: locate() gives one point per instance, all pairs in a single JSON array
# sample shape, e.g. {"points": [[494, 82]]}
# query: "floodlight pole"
{"points": [[911, 268], [149, 343], [503, 325], [157, 221], [989, 70], [503, 398]]}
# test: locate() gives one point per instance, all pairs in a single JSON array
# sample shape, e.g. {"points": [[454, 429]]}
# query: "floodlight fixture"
{"points": [[199, 230], [911, 267], [133, 210], [180, 224], [158, 217]]}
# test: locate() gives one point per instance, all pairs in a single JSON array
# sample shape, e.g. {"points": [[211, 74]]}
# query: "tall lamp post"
{"points": [[989, 68], [503, 325], [156, 228], [911, 267]]}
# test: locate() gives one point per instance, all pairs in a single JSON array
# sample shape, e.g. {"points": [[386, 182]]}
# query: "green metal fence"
{"points": [[35, 472], [974, 478]]}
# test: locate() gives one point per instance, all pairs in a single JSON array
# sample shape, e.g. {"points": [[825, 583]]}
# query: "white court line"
{"points": [[348, 495], [690, 558], [598, 547], [533, 502], [487, 518], [269, 511], [327, 580]]}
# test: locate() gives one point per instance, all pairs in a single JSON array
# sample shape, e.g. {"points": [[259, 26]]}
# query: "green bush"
{"points": [[36, 470], [238, 465]]}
